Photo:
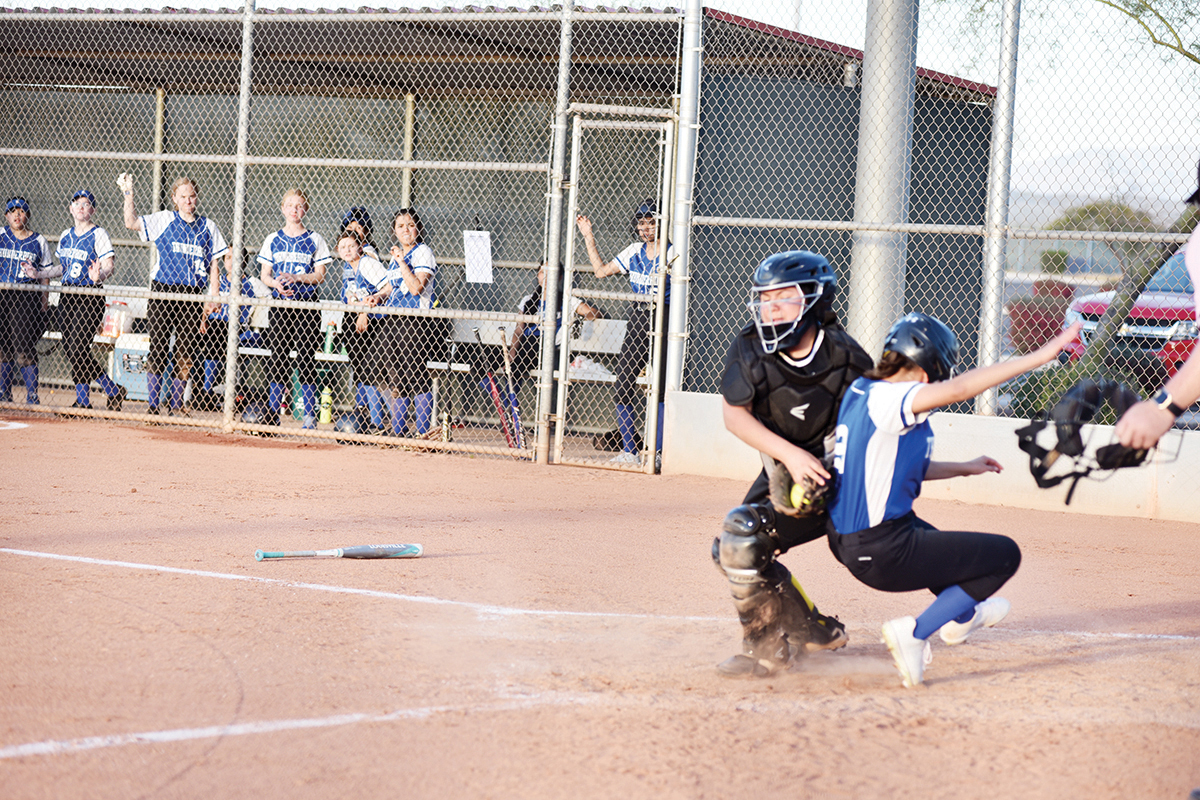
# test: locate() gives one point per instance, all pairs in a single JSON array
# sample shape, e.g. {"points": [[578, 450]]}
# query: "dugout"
{"points": [[453, 110]]}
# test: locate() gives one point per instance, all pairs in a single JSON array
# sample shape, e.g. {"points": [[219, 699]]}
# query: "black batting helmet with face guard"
{"points": [[816, 281]]}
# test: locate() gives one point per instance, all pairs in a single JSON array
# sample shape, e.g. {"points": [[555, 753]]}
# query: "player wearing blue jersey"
{"points": [[407, 342], [784, 377], [364, 283], [85, 259], [293, 261], [214, 339], [883, 454], [22, 312], [643, 263], [189, 250]]}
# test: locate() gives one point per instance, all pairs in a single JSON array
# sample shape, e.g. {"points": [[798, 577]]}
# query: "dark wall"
{"points": [[777, 148]]}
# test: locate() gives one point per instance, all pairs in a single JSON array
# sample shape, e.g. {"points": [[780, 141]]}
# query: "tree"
{"points": [[1164, 21]]}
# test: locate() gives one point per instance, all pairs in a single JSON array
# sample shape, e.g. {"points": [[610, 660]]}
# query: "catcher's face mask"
{"points": [[778, 311]]}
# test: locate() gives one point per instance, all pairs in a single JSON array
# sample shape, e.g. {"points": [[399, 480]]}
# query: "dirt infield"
{"points": [[557, 639]]}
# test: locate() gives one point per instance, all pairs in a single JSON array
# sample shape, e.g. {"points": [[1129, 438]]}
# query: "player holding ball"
{"points": [[784, 378]]}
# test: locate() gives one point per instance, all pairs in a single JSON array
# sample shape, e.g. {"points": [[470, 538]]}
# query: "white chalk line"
{"points": [[65, 746], [492, 610]]}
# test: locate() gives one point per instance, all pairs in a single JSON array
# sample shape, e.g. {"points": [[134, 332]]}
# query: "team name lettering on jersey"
{"points": [[187, 249], [19, 255]]}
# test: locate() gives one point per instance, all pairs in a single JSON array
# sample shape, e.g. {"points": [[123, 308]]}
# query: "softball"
{"points": [[798, 496]]}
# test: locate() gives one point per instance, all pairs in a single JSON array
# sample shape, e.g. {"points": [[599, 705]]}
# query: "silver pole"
{"points": [[996, 223], [564, 358], [554, 235], [160, 124], [685, 177], [878, 260], [239, 214], [658, 325], [410, 116]]}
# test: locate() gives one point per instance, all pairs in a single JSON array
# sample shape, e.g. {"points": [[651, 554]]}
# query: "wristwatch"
{"points": [[1162, 398]]}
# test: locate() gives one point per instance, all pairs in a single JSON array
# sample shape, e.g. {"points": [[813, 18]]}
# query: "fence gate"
{"points": [[598, 424]]}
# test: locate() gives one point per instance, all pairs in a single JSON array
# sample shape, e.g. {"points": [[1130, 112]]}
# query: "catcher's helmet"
{"points": [[925, 341], [255, 414], [348, 423], [816, 282]]}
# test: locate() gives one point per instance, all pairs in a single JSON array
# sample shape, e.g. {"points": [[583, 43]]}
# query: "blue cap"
{"points": [[91, 198], [17, 202], [360, 215]]}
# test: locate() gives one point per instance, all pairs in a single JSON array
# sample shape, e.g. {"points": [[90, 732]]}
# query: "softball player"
{"points": [[293, 261], [212, 343], [23, 254], [189, 250], [358, 220], [85, 258], [641, 262], [364, 282], [408, 342], [882, 455], [784, 377], [526, 343]]}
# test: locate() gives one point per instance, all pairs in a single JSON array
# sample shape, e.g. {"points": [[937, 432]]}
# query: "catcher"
{"points": [[784, 379]]}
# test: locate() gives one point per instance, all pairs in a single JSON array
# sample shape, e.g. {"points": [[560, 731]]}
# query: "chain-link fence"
{"points": [[932, 172]]}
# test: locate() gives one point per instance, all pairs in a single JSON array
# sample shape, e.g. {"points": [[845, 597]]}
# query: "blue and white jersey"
{"points": [[881, 455], [222, 312], [370, 278], [185, 249], [77, 251], [14, 252], [420, 260], [643, 271], [295, 255]]}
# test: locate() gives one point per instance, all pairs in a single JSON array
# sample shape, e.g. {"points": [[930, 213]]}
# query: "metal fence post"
{"points": [[878, 259], [554, 235], [999, 178], [239, 213]]}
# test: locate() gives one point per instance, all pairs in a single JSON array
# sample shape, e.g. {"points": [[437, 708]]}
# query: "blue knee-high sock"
{"points": [[30, 373], [308, 392], [153, 388], [952, 603], [83, 395], [658, 436], [210, 375], [274, 398], [7, 370], [423, 411], [176, 392], [625, 426], [399, 414], [108, 385], [375, 405]]}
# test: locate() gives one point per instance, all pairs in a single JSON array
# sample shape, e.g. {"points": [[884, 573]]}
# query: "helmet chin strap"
{"points": [[1078, 406]]}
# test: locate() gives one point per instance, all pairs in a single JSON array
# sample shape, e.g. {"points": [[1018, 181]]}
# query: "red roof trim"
{"points": [[841, 49]]}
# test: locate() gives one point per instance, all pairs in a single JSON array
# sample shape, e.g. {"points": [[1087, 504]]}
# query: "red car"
{"points": [[1162, 321]]}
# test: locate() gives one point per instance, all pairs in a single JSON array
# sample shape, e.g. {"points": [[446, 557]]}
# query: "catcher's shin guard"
{"points": [[808, 630], [742, 552]]}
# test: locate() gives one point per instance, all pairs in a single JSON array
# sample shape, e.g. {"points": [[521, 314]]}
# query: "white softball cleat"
{"points": [[911, 654], [987, 614]]}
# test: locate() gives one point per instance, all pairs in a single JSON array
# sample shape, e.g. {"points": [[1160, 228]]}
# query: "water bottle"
{"points": [[329, 337], [326, 405]]}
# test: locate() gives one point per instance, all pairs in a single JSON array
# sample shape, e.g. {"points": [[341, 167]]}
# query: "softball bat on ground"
{"points": [[358, 551]]}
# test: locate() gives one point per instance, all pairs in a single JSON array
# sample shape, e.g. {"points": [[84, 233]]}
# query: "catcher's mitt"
{"points": [[804, 499]]}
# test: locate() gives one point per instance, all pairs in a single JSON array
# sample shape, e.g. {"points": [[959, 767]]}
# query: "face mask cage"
{"points": [[782, 332]]}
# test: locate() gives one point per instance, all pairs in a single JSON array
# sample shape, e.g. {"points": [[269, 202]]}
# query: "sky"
{"points": [[1100, 114]]}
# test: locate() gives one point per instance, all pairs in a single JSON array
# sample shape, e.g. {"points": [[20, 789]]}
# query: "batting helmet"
{"points": [[816, 282], [926, 342]]}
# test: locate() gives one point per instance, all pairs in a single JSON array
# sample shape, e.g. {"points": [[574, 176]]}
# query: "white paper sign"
{"points": [[477, 245]]}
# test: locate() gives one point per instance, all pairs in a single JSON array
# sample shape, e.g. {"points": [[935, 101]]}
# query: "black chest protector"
{"points": [[797, 401]]}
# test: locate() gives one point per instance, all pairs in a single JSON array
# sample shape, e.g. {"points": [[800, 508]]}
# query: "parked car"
{"points": [[1161, 323]]}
